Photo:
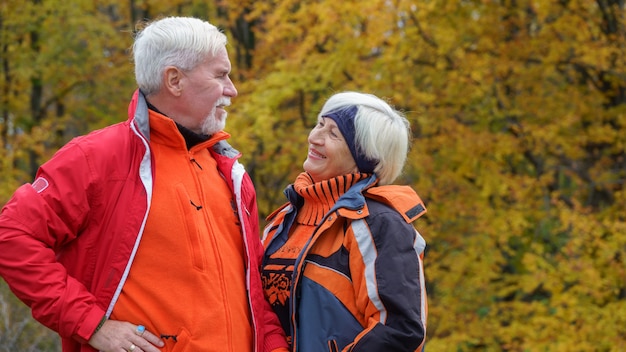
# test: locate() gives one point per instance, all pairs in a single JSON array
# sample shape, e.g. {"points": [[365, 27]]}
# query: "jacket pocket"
{"points": [[332, 346], [178, 342], [190, 219]]}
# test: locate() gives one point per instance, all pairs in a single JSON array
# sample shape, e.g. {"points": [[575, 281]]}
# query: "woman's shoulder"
{"points": [[402, 199]]}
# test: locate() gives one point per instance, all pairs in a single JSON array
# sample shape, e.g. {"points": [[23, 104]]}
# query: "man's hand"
{"points": [[118, 336]]}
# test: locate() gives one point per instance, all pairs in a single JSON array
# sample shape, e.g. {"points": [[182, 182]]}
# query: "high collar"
{"points": [[191, 138], [165, 131], [319, 198]]}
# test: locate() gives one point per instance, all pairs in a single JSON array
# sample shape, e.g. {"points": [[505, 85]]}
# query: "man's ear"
{"points": [[172, 77]]}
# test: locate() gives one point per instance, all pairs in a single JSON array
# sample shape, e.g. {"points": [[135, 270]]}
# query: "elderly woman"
{"points": [[343, 262]]}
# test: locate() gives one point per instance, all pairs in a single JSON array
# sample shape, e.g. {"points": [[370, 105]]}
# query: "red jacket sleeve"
{"points": [[274, 339], [37, 221]]}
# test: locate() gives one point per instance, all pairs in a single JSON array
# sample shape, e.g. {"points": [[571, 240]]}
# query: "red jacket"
{"points": [[68, 239]]}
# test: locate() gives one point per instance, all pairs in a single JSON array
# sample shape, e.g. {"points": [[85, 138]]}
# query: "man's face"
{"points": [[207, 89]]}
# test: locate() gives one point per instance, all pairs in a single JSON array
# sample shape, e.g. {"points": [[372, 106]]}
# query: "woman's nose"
{"points": [[314, 137]]}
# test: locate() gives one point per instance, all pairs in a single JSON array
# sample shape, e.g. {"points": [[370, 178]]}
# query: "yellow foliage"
{"points": [[518, 112]]}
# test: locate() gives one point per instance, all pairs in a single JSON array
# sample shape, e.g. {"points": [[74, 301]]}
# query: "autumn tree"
{"points": [[518, 111]]}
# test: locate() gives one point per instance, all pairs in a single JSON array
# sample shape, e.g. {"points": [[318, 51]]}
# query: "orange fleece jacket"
{"points": [[187, 282]]}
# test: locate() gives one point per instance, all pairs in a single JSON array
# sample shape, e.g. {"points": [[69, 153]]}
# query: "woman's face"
{"points": [[328, 155]]}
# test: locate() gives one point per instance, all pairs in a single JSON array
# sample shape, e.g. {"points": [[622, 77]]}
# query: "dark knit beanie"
{"points": [[344, 118]]}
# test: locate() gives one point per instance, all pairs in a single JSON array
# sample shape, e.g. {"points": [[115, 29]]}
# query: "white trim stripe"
{"points": [[368, 251], [145, 174], [328, 268], [419, 245], [423, 307]]}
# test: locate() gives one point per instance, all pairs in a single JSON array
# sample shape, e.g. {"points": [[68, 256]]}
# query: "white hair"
{"points": [[381, 132], [182, 42]]}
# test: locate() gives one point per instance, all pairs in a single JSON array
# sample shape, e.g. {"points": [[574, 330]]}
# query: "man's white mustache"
{"points": [[223, 102]]}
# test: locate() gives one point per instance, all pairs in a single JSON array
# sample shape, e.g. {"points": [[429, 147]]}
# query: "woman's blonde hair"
{"points": [[382, 133]]}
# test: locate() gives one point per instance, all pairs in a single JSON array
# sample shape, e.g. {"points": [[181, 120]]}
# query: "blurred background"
{"points": [[518, 112]]}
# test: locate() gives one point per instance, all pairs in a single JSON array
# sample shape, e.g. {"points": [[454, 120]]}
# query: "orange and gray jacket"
{"points": [[358, 284]]}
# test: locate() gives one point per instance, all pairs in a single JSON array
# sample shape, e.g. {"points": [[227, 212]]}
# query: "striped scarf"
{"points": [[320, 197]]}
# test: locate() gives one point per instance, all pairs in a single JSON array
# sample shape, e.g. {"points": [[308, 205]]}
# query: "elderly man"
{"points": [[143, 236]]}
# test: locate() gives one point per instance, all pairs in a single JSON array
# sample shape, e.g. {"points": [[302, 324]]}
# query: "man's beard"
{"points": [[212, 124]]}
